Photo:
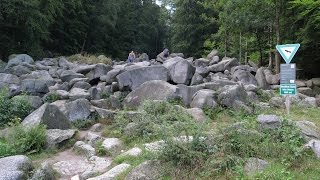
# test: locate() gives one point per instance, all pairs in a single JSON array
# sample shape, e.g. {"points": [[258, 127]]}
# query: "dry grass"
{"points": [[90, 59]]}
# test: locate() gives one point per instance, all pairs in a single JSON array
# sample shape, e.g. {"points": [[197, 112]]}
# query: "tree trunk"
{"points": [[270, 47], [240, 44], [225, 44], [246, 54], [277, 29]]}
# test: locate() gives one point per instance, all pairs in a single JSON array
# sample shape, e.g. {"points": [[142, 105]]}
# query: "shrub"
{"points": [[52, 97], [230, 147], [156, 119], [90, 59], [83, 124], [101, 151], [17, 107], [22, 139]]}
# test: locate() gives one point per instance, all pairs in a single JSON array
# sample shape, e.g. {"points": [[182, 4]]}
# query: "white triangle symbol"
{"points": [[287, 51]]}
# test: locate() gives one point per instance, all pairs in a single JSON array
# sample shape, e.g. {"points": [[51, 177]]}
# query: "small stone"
{"points": [[269, 121], [113, 145], [96, 128], [113, 173], [133, 152], [92, 138], [255, 165], [83, 148]]}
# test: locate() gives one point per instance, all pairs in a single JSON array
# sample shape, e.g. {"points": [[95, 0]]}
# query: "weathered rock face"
{"points": [[308, 129], [271, 79], [57, 136], [131, 80], [308, 102], [15, 167], [181, 71], [244, 77], [151, 90], [187, 92], [261, 79], [77, 93], [49, 115], [147, 170], [315, 146], [68, 75], [78, 110], [231, 96], [269, 121], [35, 86], [306, 91], [113, 173], [45, 172], [83, 148], [112, 145], [225, 64], [111, 76], [204, 98], [99, 70]]}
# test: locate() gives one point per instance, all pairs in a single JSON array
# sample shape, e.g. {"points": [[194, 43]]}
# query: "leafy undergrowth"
{"points": [[220, 147]]}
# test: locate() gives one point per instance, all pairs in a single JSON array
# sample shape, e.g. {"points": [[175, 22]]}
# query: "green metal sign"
{"points": [[288, 89]]}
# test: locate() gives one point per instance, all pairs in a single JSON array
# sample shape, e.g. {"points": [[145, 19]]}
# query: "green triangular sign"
{"points": [[288, 51]]}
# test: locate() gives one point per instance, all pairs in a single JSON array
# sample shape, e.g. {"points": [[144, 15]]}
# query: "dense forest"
{"points": [[246, 29]]}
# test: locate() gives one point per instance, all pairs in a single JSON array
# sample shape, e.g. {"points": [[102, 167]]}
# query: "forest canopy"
{"points": [[246, 29]]}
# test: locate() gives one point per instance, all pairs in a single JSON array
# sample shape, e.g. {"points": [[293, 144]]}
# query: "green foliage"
{"points": [[156, 119], [52, 97], [212, 113], [22, 140], [212, 156], [90, 59], [17, 107], [83, 124], [101, 151]]}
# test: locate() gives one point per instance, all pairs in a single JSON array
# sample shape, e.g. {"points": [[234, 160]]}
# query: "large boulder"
{"points": [[111, 76], [68, 75], [49, 115], [57, 136], [202, 62], [271, 79], [35, 86], [163, 56], [148, 170], [309, 130], [218, 84], [187, 92], [15, 167], [269, 121], [113, 173], [233, 96], [225, 64], [151, 90], [77, 93], [244, 77], [78, 110], [212, 54], [131, 80], [181, 71], [20, 59], [34, 101], [309, 102], [204, 99], [99, 70], [261, 79], [9, 79]]}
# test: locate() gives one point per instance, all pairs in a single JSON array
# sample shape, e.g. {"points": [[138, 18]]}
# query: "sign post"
{"points": [[288, 85]]}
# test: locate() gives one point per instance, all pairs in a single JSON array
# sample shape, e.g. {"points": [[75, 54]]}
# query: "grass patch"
{"points": [[23, 140], [13, 108], [90, 59]]}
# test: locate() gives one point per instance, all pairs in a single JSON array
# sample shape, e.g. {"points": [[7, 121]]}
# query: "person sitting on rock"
{"points": [[131, 57], [163, 55]]}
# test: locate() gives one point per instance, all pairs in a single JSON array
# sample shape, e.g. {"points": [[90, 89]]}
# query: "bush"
{"points": [[230, 147], [90, 59], [13, 108], [52, 97], [22, 140], [155, 120]]}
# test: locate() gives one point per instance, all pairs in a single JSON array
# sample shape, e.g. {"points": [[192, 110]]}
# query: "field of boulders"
{"points": [[165, 118]]}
